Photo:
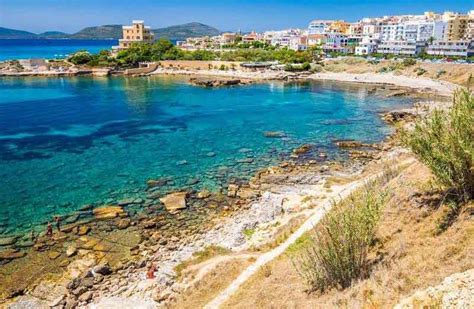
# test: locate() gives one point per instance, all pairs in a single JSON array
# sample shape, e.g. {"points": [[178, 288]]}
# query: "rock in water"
{"points": [[302, 149], [108, 212], [207, 82], [174, 201], [11, 254], [274, 134], [6, 241]]}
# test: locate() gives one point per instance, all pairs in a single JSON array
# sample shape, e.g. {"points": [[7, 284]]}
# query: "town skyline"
{"points": [[244, 17]]}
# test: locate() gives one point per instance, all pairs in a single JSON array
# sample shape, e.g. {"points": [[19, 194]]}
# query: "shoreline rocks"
{"points": [[174, 201], [214, 82], [108, 212]]}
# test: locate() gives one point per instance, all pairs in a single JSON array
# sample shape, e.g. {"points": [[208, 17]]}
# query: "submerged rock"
{"points": [[157, 182], [7, 241], [302, 149], [174, 201], [274, 134], [11, 254], [349, 144]]}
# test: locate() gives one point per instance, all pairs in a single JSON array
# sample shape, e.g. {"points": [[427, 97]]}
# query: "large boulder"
{"points": [[174, 201], [108, 212]]}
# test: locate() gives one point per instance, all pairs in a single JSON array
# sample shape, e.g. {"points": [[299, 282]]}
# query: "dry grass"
{"points": [[408, 256], [282, 234], [199, 257], [211, 284]]}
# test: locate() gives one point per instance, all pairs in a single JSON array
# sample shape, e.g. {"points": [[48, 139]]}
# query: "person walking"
{"points": [[58, 222]]}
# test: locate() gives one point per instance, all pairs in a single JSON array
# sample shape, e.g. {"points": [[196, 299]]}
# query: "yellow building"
{"points": [[339, 26], [470, 26], [137, 33], [456, 27]]}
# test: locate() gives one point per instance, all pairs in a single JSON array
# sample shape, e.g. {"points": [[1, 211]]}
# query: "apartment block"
{"points": [[401, 48], [451, 48], [457, 26]]}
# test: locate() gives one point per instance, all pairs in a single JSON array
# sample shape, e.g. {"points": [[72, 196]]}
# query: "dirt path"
{"points": [[204, 268], [339, 193]]}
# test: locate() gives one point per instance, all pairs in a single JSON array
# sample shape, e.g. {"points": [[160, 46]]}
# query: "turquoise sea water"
{"points": [[49, 48], [66, 142]]}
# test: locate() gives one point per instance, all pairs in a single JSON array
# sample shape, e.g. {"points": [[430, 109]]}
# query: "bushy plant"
{"points": [[439, 73], [338, 252], [81, 57], [407, 62], [445, 143], [420, 71]]}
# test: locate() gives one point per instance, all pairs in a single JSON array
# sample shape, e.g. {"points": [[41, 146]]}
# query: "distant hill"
{"points": [[189, 30], [53, 34], [6, 33], [178, 32], [99, 32]]}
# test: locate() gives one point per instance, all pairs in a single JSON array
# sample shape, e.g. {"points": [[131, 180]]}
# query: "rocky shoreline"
{"points": [[90, 268], [93, 274]]}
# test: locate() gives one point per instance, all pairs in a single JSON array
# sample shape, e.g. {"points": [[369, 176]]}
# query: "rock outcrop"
{"points": [[210, 82], [174, 201]]}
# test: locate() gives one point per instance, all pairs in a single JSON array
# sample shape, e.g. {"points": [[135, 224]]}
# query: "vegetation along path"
{"points": [[339, 193]]}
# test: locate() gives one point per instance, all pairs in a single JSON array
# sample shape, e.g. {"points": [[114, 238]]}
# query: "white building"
{"points": [[319, 26], [401, 48], [391, 32], [367, 46], [451, 48], [423, 30]]}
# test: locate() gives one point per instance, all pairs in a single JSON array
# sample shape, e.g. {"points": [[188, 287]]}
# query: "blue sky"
{"points": [[73, 15]]}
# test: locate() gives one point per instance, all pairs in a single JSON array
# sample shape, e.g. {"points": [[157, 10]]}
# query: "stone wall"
{"points": [[198, 65]]}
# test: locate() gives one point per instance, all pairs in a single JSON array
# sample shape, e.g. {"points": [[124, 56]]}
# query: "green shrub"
{"points": [[439, 73], [316, 68], [407, 62], [420, 71], [298, 67], [338, 251], [445, 143], [81, 57]]}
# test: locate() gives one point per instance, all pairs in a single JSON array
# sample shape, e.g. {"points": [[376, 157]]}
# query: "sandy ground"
{"points": [[440, 87]]}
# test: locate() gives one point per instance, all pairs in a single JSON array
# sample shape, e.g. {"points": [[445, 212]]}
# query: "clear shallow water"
{"points": [[49, 48], [68, 142]]}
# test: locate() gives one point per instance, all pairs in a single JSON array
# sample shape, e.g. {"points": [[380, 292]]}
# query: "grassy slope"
{"points": [[409, 255]]}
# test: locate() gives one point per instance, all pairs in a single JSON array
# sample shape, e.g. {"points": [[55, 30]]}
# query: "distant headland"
{"points": [[114, 32]]}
